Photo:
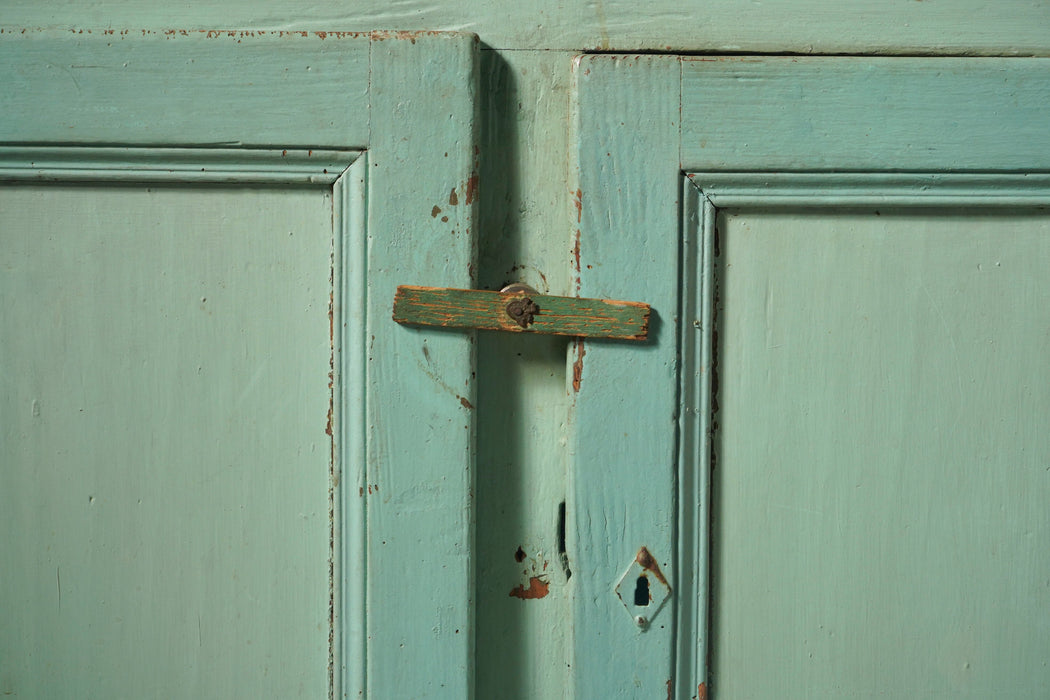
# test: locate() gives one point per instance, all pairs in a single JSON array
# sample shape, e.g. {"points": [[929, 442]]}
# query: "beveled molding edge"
{"points": [[133, 164], [734, 189]]}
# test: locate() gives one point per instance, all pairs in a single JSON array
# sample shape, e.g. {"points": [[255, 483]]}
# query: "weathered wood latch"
{"points": [[520, 310]]}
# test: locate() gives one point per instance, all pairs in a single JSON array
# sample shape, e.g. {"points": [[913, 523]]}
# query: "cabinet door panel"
{"points": [[858, 288], [214, 437]]}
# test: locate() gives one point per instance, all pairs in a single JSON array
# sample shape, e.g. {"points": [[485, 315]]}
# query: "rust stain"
{"points": [[453, 198], [648, 562], [435, 211], [670, 689], [577, 200], [519, 556], [538, 588], [466, 404], [472, 189], [701, 691], [328, 428], [577, 366], [576, 261]]}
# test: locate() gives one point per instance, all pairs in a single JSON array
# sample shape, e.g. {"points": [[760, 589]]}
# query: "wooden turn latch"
{"points": [[521, 312]]}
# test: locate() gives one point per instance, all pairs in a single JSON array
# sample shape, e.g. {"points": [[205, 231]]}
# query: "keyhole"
{"points": [[641, 591]]}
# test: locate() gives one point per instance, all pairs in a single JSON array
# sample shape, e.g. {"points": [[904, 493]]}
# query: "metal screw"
{"points": [[641, 621], [522, 311]]}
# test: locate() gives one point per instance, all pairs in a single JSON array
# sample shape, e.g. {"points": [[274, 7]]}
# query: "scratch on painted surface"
{"points": [[538, 588], [440, 382]]}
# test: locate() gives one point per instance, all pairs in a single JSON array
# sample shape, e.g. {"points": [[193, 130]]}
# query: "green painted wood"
{"points": [[484, 310], [864, 520], [522, 645], [864, 114], [623, 448], [423, 153], [144, 87], [200, 438], [164, 467], [174, 165], [803, 26], [879, 507]]}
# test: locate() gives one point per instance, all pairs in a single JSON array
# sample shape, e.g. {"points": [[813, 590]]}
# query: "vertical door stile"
{"points": [[623, 453], [420, 473]]}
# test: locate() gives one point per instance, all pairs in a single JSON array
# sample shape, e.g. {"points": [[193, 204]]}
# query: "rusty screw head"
{"points": [[522, 311]]}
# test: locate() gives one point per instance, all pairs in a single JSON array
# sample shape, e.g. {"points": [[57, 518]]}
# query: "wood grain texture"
{"points": [[107, 260], [844, 361], [149, 88], [623, 448], [420, 471], [164, 465], [522, 646], [865, 114], [803, 26], [879, 521], [484, 310]]}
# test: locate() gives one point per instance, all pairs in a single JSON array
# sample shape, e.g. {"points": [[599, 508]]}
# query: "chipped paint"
{"points": [[472, 189], [466, 404], [435, 211], [576, 262], [538, 588], [577, 365], [701, 691], [453, 198]]}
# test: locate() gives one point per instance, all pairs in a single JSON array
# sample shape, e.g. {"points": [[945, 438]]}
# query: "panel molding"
{"points": [[131, 164], [704, 195], [749, 189]]}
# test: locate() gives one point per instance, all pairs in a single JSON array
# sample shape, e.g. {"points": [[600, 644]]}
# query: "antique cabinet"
{"points": [[225, 472]]}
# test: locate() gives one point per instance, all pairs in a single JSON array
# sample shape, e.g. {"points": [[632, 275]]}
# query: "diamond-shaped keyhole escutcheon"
{"points": [[642, 589]]}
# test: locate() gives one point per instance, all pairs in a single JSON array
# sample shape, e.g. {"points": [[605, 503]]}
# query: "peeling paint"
{"points": [[538, 588], [472, 189], [453, 198], [577, 365]]}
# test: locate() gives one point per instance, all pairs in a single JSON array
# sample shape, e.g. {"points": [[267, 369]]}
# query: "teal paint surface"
{"points": [[842, 494], [202, 457], [878, 500], [165, 469], [529, 219], [963, 27], [623, 444], [853, 115]]}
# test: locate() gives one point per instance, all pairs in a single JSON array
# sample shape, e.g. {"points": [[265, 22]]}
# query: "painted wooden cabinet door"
{"points": [[836, 448], [224, 472]]}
